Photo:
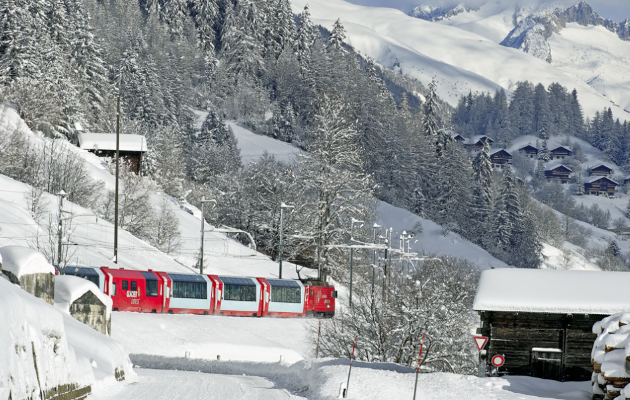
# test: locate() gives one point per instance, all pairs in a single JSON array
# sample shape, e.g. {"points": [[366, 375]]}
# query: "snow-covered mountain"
{"points": [[463, 52], [571, 37]]}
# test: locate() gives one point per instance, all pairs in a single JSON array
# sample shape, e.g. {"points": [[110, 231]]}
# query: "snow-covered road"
{"points": [[181, 385]]}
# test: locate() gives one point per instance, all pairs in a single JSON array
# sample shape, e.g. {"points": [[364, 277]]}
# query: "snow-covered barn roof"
{"points": [[560, 147], [557, 166], [529, 145], [477, 138], [107, 141], [21, 261], [601, 165], [496, 151], [597, 178], [553, 291], [69, 289]]}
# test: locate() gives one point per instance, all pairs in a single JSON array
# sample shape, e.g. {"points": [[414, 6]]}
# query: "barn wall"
{"points": [[515, 334], [89, 310]]}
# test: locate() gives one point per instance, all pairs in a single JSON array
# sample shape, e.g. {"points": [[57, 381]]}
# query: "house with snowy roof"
{"points": [[600, 185], [626, 180], [131, 148], [457, 137], [500, 158], [600, 170], [476, 143], [558, 172], [529, 150], [560, 152], [541, 320]]}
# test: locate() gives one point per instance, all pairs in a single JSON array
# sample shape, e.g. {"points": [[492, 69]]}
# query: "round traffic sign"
{"points": [[498, 360]]}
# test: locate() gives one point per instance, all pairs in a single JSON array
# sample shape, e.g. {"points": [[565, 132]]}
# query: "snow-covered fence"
{"points": [[611, 352]]}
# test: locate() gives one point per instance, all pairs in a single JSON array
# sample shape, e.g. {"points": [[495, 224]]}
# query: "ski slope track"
{"points": [[459, 60]]}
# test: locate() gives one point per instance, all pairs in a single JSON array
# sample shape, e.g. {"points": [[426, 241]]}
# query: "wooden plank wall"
{"points": [[515, 334]]}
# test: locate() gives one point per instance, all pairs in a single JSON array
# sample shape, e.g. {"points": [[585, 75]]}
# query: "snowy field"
{"points": [[253, 146]]}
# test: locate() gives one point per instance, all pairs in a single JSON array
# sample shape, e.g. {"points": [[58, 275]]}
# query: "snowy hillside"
{"points": [[472, 62], [91, 237]]}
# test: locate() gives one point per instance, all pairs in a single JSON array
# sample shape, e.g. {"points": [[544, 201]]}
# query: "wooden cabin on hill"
{"points": [[500, 158], [600, 185], [541, 320], [600, 170], [457, 137], [131, 147], [529, 150], [559, 173], [476, 143], [560, 152]]}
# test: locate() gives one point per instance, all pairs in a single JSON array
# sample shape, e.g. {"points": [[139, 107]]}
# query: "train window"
{"points": [[239, 292], [286, 294], [114, 290], [189, 286], [152, 288], [125, 285], [134, 285]]}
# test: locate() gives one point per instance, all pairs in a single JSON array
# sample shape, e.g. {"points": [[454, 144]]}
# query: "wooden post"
{"points": [[415, 388], [345, 393]]}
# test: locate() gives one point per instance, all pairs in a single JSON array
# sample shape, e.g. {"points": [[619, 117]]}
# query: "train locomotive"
{"points": [[164, 292]]}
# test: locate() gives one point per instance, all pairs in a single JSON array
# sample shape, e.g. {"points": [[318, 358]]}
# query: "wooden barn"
{"points": [[476, 143], [600, 170], [457, 137], [131, 147], [560, 152], [559, 173], [541, 320], [529, 150], [500, 158], [600, 185]]}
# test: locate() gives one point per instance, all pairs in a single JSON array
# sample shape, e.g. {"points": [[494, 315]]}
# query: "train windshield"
{"points": [[285, 291], [85, 273], [152, 284]]}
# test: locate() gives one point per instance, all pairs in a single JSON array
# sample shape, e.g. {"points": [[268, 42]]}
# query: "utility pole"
{"points": [[203, 221], [117, 176], [61, 194], [352, 222], [282, 207], [375, 227]]}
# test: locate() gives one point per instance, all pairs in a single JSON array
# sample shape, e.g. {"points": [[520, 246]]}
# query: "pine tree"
{"points": [[541, 112], [481, 202], [306, 37], [431, 124], [337, 36], [579, 185], [205, 15]]}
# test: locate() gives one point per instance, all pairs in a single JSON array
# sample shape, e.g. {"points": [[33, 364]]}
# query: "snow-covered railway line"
{"points": [[184, 385]]}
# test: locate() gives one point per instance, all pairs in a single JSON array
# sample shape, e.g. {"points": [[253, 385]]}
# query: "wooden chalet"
{"points": [[131, 147], [600, 170], [529, 150], [457, 137], [500, 158], [560, 173], [560, 152], [626, 180], [541, 320], [476, 143], [600, 185]]}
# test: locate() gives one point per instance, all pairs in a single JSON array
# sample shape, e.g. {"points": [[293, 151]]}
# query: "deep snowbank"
{"points": [[42, 348]]}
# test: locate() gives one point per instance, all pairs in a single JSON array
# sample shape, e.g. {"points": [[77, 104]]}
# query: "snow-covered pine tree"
{"points": [[306, 37], [337, 36], [579, 185], [205, 15], [541, 112], [431, 121], [481, 200]]}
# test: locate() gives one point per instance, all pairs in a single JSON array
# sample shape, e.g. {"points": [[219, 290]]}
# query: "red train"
{"points": [[161, 292]]}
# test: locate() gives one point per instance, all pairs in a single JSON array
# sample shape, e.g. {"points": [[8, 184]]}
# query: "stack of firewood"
{"points": [[611, 358]]}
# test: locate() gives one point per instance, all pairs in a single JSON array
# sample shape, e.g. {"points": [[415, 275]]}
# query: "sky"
{"points": [[617, 10]]}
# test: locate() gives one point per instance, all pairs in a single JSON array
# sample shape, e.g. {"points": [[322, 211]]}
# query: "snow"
{"points": [[69, 288], [254, 146], [552, 291], [433, 240], [472, 62], [107, 141], [20, 260], [67, 351]]}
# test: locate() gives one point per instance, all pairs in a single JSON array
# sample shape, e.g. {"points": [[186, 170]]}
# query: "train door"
{"points": [[217, 288], [265, 295], [164, 290]]}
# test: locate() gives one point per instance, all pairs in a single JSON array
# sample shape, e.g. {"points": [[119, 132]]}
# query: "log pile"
{"points": [[611, 358]]}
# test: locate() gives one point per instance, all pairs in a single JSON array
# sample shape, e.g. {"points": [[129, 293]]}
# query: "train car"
{"points": [[320, 299], [161, 292]]}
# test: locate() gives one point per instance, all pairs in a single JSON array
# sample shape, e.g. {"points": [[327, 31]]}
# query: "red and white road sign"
{"points": [[481, 341], [498, 360]]}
